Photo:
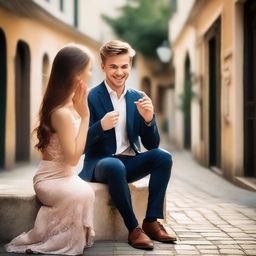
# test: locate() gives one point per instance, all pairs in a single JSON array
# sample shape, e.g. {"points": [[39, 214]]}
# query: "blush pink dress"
{"points": [[64, 224]]}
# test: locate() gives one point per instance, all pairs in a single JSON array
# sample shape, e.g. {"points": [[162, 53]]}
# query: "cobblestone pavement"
{"points": [[209, 215]]}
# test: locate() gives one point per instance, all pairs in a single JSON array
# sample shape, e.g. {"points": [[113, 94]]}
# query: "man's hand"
{"points": [[145, 107], [109, 121]]}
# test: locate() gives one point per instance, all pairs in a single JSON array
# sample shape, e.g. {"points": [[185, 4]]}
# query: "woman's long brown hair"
{"points": [[69, 62]]}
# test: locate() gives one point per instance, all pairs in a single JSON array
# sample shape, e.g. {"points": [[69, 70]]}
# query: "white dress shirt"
{"points": [[123, 146]]}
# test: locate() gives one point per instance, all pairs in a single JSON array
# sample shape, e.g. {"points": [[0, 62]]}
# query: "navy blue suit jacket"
{"points": [[101, 143]]}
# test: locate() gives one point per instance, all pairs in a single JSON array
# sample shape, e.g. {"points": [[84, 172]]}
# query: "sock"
{"points": [[149, 219]]}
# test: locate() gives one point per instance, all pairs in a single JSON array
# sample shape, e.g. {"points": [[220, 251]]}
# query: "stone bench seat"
{"points": [[18, 212]]}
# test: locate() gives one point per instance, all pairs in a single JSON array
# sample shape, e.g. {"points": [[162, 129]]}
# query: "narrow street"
{"points": [[209, 215], [195, 59]]}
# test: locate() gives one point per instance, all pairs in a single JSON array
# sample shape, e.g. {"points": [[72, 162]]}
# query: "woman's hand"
{"points": [[80, 100]]}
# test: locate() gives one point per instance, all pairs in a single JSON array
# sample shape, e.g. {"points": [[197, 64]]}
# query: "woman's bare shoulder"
{"points": [[61, 116], [61, 111]]}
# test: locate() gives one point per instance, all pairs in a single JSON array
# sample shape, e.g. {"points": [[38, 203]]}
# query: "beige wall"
{"points": [[184, 46], [231, 93], [180, 17], [41, 39], [191, 40], [152, 70], [90, 18], [53, 7]]}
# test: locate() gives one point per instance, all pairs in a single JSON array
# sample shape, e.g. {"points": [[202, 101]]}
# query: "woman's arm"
{"points": [[72, 144]]}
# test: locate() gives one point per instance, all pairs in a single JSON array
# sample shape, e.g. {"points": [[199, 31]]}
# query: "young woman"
{"points": [[64, 224]]}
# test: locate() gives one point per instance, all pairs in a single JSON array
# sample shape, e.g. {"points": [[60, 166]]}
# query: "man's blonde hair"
{"points": [[116, 47]]}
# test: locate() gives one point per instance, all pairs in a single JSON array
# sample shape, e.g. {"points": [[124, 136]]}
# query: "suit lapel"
{"points": [[106, 102], [105, 98], [129, 114]]}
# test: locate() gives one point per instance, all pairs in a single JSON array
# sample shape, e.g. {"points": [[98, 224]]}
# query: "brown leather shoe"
{"points": [[156, 231], [138, 239]]}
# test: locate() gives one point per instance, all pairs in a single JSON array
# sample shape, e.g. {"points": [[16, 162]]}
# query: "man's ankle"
{"points": [[149, 219], [130, 229]]}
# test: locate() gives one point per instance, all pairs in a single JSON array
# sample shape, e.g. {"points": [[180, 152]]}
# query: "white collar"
{"points": [[111, 91]]}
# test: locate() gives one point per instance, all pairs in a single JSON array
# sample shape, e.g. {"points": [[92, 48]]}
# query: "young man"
{"points": [[118, 117]]}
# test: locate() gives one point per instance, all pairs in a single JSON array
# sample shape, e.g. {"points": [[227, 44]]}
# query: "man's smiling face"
{"points": [[117, 69]]}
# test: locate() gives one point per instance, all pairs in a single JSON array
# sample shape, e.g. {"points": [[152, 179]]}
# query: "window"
{"points": [[62, 5], [173, 6], [76, 13]]}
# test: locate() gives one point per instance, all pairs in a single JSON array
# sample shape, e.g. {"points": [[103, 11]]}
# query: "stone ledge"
{"points": [[108, 223], [18, 212]]}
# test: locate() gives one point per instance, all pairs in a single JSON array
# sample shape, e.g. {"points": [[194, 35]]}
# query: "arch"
{"points": [[45, 72], [146, 86], [3, 92], [22, 102]]}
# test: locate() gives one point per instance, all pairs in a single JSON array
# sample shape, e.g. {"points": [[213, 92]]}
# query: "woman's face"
{"points": [[85, 76]]}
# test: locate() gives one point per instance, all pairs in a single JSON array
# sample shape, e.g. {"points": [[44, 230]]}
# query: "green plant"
{"points": [[142, 23], [185, 99]]}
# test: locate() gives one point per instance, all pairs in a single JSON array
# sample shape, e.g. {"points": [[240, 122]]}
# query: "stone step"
{"points": [[18, 212]]}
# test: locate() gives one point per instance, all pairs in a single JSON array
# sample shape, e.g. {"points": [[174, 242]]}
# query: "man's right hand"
{"points": [[109, 121]]}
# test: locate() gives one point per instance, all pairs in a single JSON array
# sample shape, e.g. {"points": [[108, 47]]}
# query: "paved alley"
{"points": [[209, 215]]}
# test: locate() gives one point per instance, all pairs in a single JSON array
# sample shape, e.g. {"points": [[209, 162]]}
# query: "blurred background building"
{"points": [[214, 48], [201, 81], [31, 33]]}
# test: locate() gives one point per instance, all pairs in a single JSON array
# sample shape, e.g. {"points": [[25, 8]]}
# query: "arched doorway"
{"points": [[187, 96], [22, 102], [214, 76], [2, 96], [146, 86], [45, 72]]}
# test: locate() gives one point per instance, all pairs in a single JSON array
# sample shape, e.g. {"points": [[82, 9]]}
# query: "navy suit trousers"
{"points": [[118, 172]]}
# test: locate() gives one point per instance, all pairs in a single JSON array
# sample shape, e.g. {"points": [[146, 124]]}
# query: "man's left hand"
{"points": [[145, 107]]}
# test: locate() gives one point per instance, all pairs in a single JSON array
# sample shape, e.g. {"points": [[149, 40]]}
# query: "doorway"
{"points": [[3, 92], [45, 72], [146, 86], [250, 88], [22, 102], [214, 85], [187, 97]]}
